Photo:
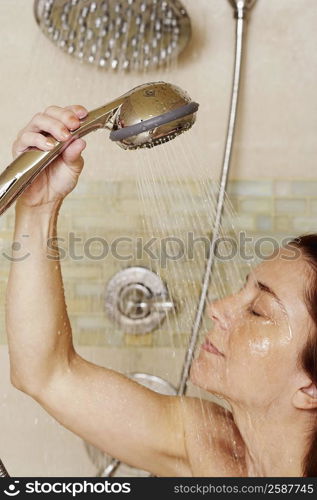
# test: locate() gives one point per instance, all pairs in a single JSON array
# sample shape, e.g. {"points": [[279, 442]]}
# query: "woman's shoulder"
{"points": [[213, 442]]}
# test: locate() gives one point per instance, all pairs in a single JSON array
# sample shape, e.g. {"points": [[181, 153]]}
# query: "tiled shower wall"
{"points": [[111, 210], [275, 139]]}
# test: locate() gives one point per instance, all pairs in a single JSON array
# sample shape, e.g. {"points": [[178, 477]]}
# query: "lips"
{"points": [[209, 347]]}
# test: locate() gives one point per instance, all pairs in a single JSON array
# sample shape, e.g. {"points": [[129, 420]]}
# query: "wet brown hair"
{"points": [[307, 244]]}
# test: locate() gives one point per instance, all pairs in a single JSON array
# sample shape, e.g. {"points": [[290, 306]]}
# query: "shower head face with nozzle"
{"points": [[152, 114], [116, 34]]}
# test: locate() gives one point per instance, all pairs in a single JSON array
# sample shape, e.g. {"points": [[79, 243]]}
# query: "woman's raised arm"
{"points": [[117, 415]]}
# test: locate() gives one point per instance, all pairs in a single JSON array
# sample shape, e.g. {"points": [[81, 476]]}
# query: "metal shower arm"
{"points": [[241, 7]]}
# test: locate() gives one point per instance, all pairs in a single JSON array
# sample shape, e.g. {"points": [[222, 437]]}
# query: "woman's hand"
{"points": [[61, 176]]}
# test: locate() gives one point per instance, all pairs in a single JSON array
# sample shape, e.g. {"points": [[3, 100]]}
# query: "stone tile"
{"points": [[91, 223], [170, 193], [6, 234], [264, 223], [3, 222], [91, 322], [201, 187], [10, 221], [6, 251], [88, 205], [3, 286], [180, 340], [290, 206], [162, 339], [282, 188], [255, 205], [145, 340], [114, 336], [250, 188], [243, 222], [305, 224], [231, 203], [89, 289], [132, 207], [4, 271], [81, 271], [84, 305], [313, 207], [3, 334], [104, 188], [304, 188], [171, 223], [92, 338], [130, 190], [196, 206], [283, 223]]}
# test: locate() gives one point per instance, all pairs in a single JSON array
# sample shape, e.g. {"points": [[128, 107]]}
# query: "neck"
{"points": [[275, 440]]}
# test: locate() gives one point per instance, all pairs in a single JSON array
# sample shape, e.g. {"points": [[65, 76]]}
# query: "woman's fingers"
{"points": [[79, 110], [32, 139], [55, 121], [42, 122], [69, 116], [72, 155]]}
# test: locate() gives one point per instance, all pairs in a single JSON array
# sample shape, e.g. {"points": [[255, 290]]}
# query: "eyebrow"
{"points": [[265, 288]]}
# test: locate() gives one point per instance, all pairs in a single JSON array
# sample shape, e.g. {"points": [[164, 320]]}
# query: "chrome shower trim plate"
{"points": [[130, 300]]}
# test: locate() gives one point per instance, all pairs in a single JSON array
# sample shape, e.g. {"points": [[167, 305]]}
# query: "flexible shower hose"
{"points": [[240, 14]]}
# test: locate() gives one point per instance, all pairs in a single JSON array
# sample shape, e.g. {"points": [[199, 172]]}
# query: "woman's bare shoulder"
{"points": [[213, 442]]}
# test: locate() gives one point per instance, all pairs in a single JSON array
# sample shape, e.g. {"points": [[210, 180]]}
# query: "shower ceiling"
{"points": [[116, 34]]}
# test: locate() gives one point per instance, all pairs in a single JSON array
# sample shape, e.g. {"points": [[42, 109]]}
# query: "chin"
{"points": [[201, 375]]}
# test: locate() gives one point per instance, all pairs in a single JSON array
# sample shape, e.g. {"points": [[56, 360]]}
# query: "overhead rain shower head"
{"points": [[148, 115], [116, 34]]}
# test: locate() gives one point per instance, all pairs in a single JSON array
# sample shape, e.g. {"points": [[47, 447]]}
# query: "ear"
{"points": [[305, 398]]}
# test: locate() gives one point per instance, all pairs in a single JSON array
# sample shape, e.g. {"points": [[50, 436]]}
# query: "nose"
{"points": [[217, 312], [224, 311]]}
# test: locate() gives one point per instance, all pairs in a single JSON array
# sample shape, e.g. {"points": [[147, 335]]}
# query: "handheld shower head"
{"points": [[146, 116], [152, 114]]}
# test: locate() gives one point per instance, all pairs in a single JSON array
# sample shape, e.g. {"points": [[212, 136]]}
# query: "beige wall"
{"points": [[274, 163], [277, 135]]}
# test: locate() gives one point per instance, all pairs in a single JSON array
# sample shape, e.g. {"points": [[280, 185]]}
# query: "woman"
{"points": [[261, 355]]}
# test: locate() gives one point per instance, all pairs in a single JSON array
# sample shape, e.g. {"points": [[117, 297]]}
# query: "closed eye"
{"points": [[254, 313]]}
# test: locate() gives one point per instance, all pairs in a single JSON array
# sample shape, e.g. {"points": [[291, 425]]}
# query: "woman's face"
{"points": [[260, 333]]}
